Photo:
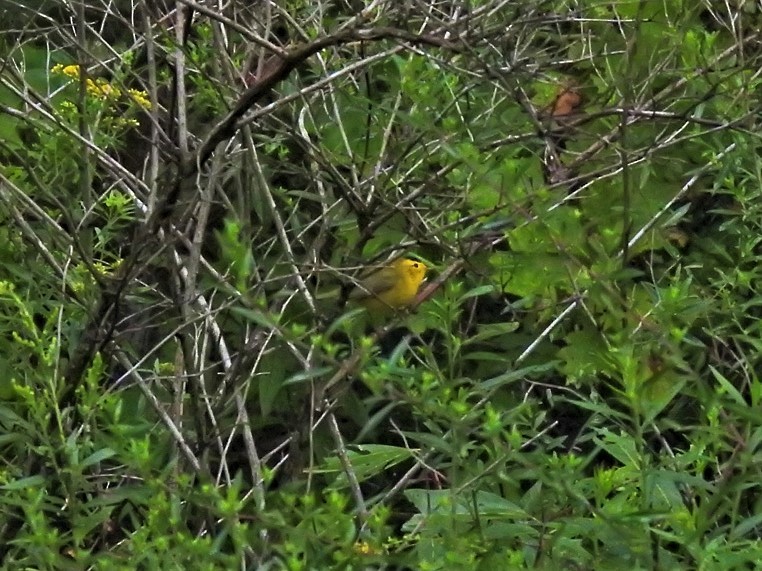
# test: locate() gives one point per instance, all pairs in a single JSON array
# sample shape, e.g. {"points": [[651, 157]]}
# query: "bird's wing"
{"points": [[374, 285]]}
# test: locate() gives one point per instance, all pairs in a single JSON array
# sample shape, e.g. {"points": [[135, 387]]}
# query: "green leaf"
{"points": [[309, 375], [99, 456], [490, 330], [728, 387], [510, 377], [620, 446], [23, 483], [432, 441], [367, 461]]}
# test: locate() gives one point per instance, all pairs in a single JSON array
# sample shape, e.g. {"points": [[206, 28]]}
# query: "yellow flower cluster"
{"points": [[67, 70], [140, 97], [102, 89]]}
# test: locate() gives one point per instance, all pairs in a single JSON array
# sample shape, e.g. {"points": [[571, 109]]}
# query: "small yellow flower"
{"points": [[71, 70], [102, 89], [140, 97], [130, 123], [365, 548]]}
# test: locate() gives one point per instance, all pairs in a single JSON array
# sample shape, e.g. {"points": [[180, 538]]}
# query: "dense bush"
{"points": [[189, 193]]}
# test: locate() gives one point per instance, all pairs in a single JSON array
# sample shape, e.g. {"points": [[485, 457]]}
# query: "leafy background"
{"points": [[184, 212]]}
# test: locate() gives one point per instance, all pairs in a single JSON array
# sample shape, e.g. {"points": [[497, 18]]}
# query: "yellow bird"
{"points": [[391, 287]]}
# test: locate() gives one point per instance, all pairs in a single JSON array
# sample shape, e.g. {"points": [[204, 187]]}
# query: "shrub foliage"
{"points": [[189, 191]]}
